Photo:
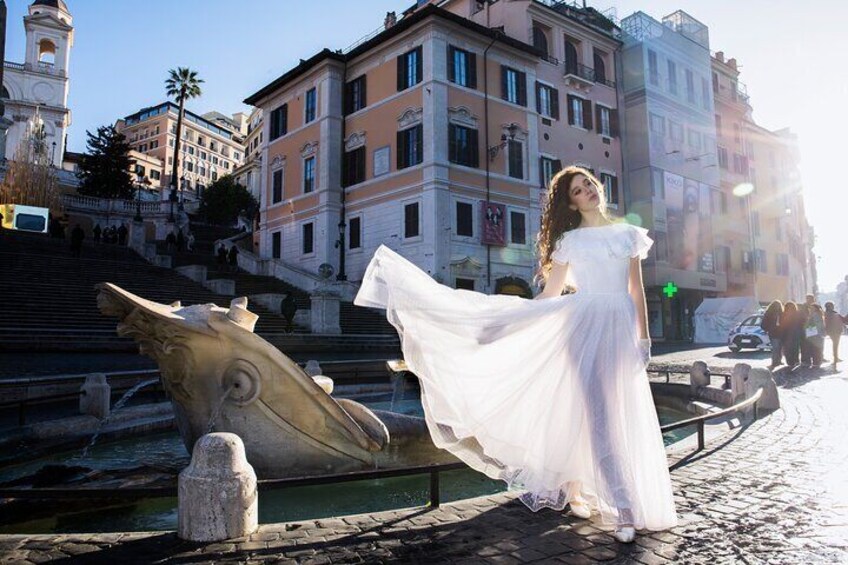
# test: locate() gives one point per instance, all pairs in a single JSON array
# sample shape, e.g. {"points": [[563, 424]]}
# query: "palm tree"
{"points": [[182, 84]]}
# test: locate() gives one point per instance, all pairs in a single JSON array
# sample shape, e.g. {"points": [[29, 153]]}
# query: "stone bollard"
{"points": [[738, 381], [95, 396], [762, 378], [699, 377], [326, 312], [217, 496]]}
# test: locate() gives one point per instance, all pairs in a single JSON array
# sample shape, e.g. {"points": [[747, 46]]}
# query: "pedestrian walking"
{"points": [[232, 258], [122, 235], [792, 327], [190, 242], [170, 242], [816, 338], [222, 257], [180, 240], [77, 235], [96, 233], [833, 326], [288, 308], [771, 325]]}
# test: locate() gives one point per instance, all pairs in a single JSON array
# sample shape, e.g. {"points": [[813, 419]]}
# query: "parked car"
{"points": [[748, 334]]}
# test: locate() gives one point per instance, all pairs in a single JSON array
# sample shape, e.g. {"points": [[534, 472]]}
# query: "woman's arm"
{"points": [[556, 281], [637, 293]]}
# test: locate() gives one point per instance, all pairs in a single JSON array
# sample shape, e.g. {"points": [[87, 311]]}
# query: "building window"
{"points": [[737, 133], [718, 124], [465, 284], [547, 169], [579, 112], [171, 142], [308, 174], [715, 82], [517, 228], [355, 99], [604, 117], [675, 131], [672, 76], [464, 219], [201, 141], [214, 146], [310, 105], [722, 158], [462, 67], [705, 93], [354, 237], [410, 146], [308, 238], [410, 220], [190, 167], [354, 166], [610, 183], [571, 60], [690, 86], [694, 139], [463, 146], [155, 175], [190, 150], [657, 125], [513, 86], [279, 123], [276, 245], [600, 67], [653, 69], [515, 153], [540, 40], [277, 186], [547, 101], [410, 70], [204, 155]]}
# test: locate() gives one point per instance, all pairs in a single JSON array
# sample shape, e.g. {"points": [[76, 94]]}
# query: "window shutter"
{"points": [[570, 101], [451, 63], [346, 99], [598, 117], [473, 148], [419, 144], [472, 70], [614, 123], [401, 72], [542, 172], [419, 64], [555, 103], [401, 150], [452, 156], [522, 89], [360, 164], [557, 165], [363, 102], [587, 114], [504, 85], [538, 97]]}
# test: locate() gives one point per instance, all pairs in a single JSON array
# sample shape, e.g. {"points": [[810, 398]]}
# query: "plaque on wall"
{"points": [[381, 160]]}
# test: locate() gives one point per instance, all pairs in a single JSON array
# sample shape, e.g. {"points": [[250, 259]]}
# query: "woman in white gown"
{"points": [[549, 395]]}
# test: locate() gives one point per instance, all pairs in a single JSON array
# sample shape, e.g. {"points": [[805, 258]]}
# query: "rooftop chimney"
{"points": [[720, 56], [732, 63], [391, 19]]}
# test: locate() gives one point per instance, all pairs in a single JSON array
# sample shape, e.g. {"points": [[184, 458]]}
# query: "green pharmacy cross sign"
{"points": [[670, 289]]}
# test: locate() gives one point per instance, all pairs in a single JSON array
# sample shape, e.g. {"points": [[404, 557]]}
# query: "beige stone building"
{"points": [[436, 137], [209, 149]]}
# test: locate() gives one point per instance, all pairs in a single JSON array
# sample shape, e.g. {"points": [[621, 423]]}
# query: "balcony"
{"points": [[582, 77], [40, 67]]}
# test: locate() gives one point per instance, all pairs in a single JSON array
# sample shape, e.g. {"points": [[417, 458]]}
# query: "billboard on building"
{"points": [[494, 223]]}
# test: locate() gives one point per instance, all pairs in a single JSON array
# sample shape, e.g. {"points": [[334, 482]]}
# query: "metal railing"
{"points": [[700, 421]]}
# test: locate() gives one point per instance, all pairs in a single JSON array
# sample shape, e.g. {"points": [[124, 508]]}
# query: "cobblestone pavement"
{"points": [[774, 491]]}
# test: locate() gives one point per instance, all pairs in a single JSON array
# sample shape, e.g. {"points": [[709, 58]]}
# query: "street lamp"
{"points": [[512, 129], [182, 191], [53, 155], [139, 181], [340, 243], [172, 197]]}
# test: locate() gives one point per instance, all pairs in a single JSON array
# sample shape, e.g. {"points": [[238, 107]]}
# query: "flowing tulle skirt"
{"points": [[548, 395]]}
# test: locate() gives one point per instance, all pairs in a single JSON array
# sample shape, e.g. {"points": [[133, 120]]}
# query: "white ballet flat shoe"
{"points": [[580, 509], [625, 534]]}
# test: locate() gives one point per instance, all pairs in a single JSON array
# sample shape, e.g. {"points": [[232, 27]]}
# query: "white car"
{"points": [[748, 334]]}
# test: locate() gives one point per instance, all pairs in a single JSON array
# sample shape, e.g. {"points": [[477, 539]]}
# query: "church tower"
{"points": [[41, 82]]}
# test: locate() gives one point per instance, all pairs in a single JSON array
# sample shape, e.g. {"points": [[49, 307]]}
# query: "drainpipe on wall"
{"points": [[342, 276], [486, 145]]}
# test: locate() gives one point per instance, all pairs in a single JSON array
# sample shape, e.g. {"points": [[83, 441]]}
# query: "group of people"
{"points": [[179, 241], [110, 234], [227, 260], [797, 332]]}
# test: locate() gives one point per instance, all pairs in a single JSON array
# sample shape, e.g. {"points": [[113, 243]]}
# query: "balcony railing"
{"points": [[117, 207], [585, 73], [40, 67]]}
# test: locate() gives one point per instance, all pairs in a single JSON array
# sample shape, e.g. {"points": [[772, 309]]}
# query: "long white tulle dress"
{"points": [[548, 395]]}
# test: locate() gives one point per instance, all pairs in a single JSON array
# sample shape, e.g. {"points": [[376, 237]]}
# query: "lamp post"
{"points": [[182, 192], [505, 138], [53, 155], [172, 197], [139, 181], [342, 276]]}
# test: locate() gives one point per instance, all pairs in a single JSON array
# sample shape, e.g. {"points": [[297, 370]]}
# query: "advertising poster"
{"points": [[494, 223]]}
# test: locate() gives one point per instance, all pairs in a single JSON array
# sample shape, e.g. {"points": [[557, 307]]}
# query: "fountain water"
{"points": [[118, 405], [211, 427]]}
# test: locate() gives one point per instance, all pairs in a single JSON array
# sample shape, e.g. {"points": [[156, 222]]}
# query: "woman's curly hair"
{"points": [[558, 218]]}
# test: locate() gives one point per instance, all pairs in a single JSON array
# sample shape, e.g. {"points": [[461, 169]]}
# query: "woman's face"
{"points": [[583, 194]]}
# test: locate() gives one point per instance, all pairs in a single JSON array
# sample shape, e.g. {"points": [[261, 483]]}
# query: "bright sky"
{"points": [[792, 55]]}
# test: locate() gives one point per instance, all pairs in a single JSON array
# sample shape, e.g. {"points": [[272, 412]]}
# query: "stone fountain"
{"points": [[215, 369]]}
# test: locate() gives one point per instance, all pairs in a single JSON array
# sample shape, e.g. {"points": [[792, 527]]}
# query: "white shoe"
{"points": [[580, 509], [625, 534]]}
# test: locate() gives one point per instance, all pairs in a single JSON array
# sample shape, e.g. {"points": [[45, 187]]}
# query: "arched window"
{"points": [[4, 94], [46, 52], [600, 68], [570, 57], [540, 40]]}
